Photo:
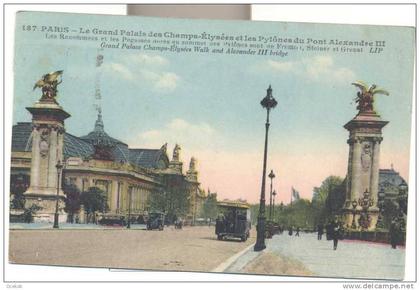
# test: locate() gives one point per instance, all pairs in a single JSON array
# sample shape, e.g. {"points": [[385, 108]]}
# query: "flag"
{"points": [[295, 195]]}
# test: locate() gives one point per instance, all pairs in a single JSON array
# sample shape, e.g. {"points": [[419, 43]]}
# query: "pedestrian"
{"points": [[394, 233], [320, 229], [291, 231], [335, 226], [297, 232]]}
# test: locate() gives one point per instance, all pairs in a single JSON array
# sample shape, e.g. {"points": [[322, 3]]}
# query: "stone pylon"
{"points": [[365, 137], [47, 150]]}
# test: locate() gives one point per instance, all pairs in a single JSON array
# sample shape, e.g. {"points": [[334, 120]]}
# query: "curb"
{"points": [[226, 264]]}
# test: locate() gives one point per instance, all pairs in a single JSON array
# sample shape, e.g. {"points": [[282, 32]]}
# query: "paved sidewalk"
{"points": [[352, 259]]}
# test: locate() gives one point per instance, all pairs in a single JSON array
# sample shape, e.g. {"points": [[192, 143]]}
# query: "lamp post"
{"points": [[268, 103], [271, 176], [354, 205], [59, 167], [274, 197]]}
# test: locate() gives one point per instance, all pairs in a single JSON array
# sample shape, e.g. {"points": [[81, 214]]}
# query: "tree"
{"points": [[94, 200], [157, 201], [210, 206], [298, 214], [328, 199], [72, 200], [390, 211], [175, 200], [336, 198]]}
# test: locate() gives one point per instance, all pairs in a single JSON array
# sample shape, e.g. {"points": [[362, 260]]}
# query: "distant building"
{"points": [[95, 159], [389, 182]]}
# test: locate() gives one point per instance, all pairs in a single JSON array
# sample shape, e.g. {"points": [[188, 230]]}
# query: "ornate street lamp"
{"points": [[365, 202], [268, 103], [59, 167], [354, 205], [271, 176]]}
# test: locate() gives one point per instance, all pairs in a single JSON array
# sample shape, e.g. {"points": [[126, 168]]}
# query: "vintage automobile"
{"points": [[112, 220], [234, 220], [272, 228], [156, 220]]}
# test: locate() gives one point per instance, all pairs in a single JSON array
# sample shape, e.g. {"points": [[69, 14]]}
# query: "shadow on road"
{"points": [[224, 240]]}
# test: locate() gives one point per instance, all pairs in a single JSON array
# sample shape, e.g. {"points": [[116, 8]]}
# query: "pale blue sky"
{"points": [[210, 103]]}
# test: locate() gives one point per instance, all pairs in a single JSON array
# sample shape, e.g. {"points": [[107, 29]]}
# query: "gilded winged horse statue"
{"points": [[365, 97], [48, 83]]}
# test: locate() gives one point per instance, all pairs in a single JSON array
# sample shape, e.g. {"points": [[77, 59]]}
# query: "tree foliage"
{"points": [[210, 206], [175, 201], [390, 211], [328, 199], [72, 200], [94, 200]]}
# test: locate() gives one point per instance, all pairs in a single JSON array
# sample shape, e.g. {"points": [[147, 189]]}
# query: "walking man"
{"points": [[394, 232], [297, 232], [320, 231], [335, 232]]}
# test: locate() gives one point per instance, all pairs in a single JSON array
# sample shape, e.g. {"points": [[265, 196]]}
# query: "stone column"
{"points": [[114, 194], [52, 157], [356, 170], [35, 160], [47, 149], [375, 171], [365, 132]]}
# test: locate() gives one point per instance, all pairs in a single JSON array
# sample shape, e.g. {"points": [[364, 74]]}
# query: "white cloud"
{"points": [[145, 59], [318, 68], [161, 80], [193, 136], [120, 70], [145, 70], [281, 66]]}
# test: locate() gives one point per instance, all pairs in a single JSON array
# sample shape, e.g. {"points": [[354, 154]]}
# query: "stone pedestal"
{"points": [[47, 150], [363, 166]]}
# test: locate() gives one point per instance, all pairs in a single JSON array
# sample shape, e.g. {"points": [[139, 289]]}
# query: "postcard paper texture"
{"points": [[215, 146]]}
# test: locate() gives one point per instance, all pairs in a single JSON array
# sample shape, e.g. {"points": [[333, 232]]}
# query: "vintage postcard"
{"points": [[214, 146]]}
